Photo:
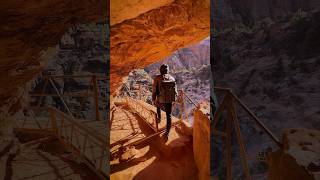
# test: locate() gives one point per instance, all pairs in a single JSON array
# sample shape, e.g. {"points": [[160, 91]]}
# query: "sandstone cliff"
{"points": [[29, 28], [151, 36]]}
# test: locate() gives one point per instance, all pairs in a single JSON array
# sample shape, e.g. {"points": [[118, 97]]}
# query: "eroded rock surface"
{"points": [[30, 27], [299, 158], [129, 9], [138, 42], [201, 140], [274, 68]]}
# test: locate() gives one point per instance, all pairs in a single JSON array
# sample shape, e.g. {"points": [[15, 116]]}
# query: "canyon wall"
{"points": [[28, 28], [151, 36], [228, 13], [201, 140], [273, 65]]}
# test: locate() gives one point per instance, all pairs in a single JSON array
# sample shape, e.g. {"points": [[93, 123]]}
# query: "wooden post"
{"points": [[62, 100], [228, 141], [185, 106], [182, 105], [71, 135], [96, 96], [102, 155], [53, 120], [35, 119], [218, 112], [242, 149], [42, 92], [85, 143], [61, 127]]}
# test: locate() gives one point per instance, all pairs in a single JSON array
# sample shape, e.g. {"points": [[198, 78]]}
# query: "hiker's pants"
{"points": [[167, 107]]}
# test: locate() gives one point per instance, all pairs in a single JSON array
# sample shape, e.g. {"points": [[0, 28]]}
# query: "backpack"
{"points": [[167, 89]]}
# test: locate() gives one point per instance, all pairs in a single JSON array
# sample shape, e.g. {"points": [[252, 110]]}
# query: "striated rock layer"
{"points": [[30, 27], [148, 38], [129, 9]]}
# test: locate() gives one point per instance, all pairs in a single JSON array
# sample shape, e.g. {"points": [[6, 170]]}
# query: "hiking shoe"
{"points": [[165, 137]]}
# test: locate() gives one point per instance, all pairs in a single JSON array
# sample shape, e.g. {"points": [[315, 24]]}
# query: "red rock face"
{"points": [[29, 27], [148, 38], [129, 9]]}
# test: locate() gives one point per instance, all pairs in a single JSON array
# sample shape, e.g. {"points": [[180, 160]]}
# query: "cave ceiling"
{"points": [[153, 32], [28, 28]]}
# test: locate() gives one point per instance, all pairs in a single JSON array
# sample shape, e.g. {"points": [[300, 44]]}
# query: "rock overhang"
{"points": [[154, 35]]}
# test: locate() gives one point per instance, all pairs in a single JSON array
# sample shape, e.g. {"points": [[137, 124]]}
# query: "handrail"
{"points": [[81, 126], [182, 96], [61, 122], [140, 113], [252, 115], [93, 87], [77, 76], [190, 99]]}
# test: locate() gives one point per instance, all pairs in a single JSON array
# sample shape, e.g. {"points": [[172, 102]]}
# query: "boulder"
{"points": [[201, 142]]}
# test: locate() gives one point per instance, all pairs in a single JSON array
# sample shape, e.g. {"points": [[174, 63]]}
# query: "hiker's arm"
{"points": [[154, 89]]}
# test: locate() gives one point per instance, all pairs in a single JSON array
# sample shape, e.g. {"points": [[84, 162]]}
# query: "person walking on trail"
{"points": [[164, 93]]}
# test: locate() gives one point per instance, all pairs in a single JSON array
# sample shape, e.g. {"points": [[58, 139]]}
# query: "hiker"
{"points": [[164, 93]]}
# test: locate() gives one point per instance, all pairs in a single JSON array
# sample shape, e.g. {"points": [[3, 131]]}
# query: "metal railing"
{"points": [[230, 124], [150, 117], [92, 91], [83, 141], [28, 120]]}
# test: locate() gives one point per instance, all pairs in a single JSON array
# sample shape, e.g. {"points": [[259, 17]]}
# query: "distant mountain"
{"points": [[185, 59]]}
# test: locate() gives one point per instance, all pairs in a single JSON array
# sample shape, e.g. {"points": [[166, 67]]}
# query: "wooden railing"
{"points": [[29, 120], [82, 140], [150, 117], [231, 123], [144, 112], [92, 91]]}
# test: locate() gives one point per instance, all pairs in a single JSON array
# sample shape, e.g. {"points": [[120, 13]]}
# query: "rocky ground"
{"points": [[274, 67]]}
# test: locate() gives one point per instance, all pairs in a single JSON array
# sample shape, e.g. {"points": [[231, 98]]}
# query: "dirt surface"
{"points": [[54, 158], [152, 159]]}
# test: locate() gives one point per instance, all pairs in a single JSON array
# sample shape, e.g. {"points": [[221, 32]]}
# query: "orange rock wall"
{"points": [[151, 36], [201, 143], [129, 9]]}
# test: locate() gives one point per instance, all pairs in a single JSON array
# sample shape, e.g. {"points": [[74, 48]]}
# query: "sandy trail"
{"points": [[154, 159]]}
